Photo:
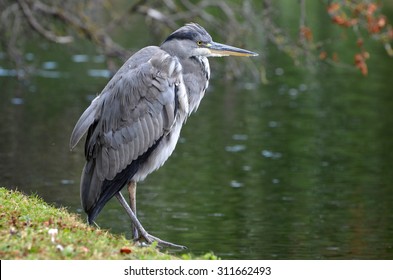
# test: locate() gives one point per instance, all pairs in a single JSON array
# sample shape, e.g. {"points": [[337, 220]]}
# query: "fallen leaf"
{"points": [[125, 250]]}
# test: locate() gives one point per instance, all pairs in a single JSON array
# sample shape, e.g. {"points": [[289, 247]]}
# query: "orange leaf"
{"points": [[306, 33], [125, 250], [372, 7], [333, 8], [360, 62], [358, 58], [322, 55], [339, 20], [373, 27], [364, 69], [381, 21]]}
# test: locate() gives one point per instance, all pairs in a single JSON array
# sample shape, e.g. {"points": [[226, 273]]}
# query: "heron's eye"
{"points": [[199, 43]]}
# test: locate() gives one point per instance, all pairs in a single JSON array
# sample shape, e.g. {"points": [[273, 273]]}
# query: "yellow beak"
{"points": [[217, 49]]}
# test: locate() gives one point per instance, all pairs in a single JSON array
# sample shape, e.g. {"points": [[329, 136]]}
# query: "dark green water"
{"points": [[300, 168]]}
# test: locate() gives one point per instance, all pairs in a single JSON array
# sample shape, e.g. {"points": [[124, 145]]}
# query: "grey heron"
{"points": [[133, 125]]}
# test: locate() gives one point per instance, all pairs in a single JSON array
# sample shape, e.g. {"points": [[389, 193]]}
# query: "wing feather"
{"points": [[145, 130], [84, 122], [103, 166], [135, 144], [112, 166], [141, 138], [151, 128], [124, 156]]}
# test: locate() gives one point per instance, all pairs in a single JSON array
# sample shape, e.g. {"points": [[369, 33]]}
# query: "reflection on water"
{"points": [[296, 169]]}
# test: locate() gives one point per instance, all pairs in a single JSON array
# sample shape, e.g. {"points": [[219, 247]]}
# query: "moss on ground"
{"points": [[32, 229]]}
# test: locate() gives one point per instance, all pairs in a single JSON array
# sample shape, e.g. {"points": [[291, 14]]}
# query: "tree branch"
{"points": [[92, 33], [39, 28]]}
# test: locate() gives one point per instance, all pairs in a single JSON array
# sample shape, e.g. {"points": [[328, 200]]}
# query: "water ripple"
{"points": [[235, 148], [270, 154]]}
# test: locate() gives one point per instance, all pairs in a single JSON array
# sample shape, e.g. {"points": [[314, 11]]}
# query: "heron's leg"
{"points": [[132, 193], [148, 237], [133, 217]]}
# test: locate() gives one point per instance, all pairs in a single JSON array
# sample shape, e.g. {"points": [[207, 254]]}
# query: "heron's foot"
{"points": [[163, 243], [160, 243]]}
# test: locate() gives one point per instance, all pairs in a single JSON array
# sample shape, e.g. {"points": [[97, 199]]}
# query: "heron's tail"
{"points": [[96, 193], [91, 189]]}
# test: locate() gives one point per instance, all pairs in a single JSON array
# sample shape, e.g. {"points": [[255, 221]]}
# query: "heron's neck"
{"points": [[196, 75]]}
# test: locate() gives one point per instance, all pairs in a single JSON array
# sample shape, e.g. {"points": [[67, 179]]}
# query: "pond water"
{"points": [[299, 168]]}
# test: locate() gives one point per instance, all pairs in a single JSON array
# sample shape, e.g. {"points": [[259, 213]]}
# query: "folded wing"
{"points": [[125, 123]]}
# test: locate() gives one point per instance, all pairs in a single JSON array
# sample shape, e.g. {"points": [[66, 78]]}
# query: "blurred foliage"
{"points": [[367, 21], [102, 22]]}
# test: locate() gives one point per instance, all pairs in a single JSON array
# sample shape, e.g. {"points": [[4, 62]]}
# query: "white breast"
{"points": [[160, 154]]}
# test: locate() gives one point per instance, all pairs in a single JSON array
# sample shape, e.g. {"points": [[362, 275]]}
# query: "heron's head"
{"points": [[193, 40]]}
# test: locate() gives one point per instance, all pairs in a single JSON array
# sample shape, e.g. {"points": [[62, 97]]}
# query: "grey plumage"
{"points": [[135, 111], [133, 125]]}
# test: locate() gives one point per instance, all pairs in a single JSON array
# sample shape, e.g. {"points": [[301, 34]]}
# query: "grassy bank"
{"points": [[32, 229]]}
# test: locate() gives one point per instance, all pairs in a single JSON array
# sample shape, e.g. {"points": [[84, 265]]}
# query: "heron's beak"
{"points": [[217, 49]]}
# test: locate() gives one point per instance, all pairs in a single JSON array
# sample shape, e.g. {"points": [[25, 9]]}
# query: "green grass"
{"points": [[25, 223]]}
